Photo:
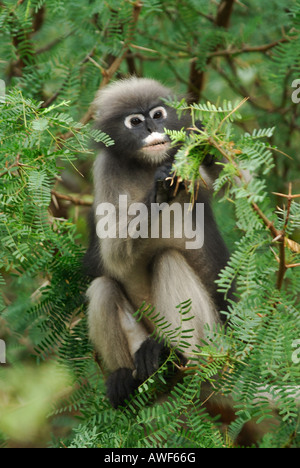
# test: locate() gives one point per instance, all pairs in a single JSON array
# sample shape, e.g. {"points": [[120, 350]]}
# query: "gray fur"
{"points": [[116, 98], [159, 271]]}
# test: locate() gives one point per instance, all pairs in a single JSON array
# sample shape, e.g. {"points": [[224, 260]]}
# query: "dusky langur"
{"points": [[131, 262]]}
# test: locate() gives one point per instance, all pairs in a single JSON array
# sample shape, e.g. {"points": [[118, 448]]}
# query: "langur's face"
{"points": [[133, 113], [146, 129], [139, 133]]}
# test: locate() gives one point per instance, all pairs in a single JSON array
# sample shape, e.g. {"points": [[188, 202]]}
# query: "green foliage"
{"points": [[38, 248], [53, 59], [26, 395], [263, 324]]}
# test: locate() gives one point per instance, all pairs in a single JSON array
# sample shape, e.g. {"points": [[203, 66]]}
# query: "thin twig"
{"points": [[17, 163], [282, 264], [293, 265], [283, 239], [291, 197], [214, 143], [269, 224], [70, 198], [288, 208], [233, 111]]}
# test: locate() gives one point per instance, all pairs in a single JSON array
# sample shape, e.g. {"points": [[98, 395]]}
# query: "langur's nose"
{"points": [[151, 127]]}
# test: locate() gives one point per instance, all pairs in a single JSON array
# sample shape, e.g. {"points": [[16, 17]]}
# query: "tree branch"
{"points": [[282, 257], [282, 264], [52, 44], [70, 198], [280, 236], [248, 49], [269, 224], [224, 13], [109, 73], [196, 78]]}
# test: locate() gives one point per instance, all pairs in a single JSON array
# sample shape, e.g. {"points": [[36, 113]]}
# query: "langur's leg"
{"points": [[116, 336], [174, 282], [122, 342]]}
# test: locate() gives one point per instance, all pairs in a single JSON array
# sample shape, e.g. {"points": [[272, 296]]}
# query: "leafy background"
{"points": [[53, 59]]}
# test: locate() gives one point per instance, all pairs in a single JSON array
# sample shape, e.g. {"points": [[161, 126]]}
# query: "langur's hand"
{"points": [[166, 184]]}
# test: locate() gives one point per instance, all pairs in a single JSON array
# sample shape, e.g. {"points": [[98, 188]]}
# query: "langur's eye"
{"points": [[158, 113], [134, 120]]}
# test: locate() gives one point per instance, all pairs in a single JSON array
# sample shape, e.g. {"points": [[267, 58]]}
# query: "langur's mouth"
{"points": [[162, 145], [156, 142]]}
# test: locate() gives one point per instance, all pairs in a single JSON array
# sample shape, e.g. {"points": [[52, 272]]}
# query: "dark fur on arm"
{"points": [[92, 260]]}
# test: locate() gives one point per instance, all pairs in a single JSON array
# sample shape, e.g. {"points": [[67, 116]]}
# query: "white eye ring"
{"points": [[128, 120], [160, 109]]}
